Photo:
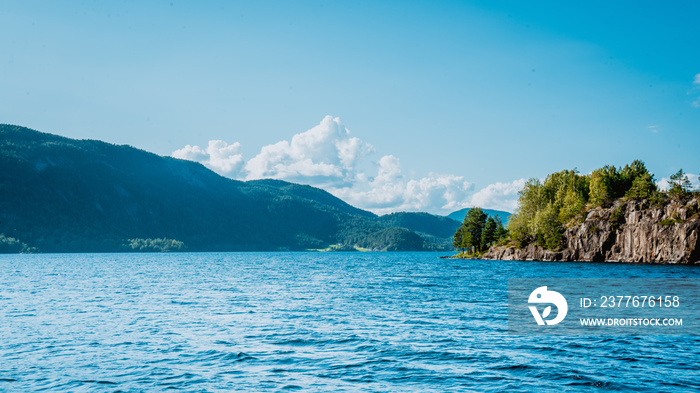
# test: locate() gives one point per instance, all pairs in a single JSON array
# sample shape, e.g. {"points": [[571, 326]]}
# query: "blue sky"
{"points": [[440, 104]]}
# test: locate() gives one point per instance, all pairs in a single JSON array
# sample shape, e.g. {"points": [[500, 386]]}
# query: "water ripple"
{"points": [[307, 321]]}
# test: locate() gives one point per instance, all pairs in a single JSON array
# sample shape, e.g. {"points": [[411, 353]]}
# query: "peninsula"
{"points": [[613, 214]]}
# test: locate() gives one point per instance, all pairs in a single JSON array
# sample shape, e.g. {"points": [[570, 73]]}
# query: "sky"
{"points": [[389, 105]]}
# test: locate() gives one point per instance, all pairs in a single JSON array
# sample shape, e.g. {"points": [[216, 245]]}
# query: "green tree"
{"points": [[548, 229], [474, 222], [629, 174], [488, 235], [501, 231], [546, 207], [530, 200], [518, 227], [467, 241], [642, 187], [154, 245], [458, 238], [603, 184], [562, 194], [680, 184], [572, 205]]}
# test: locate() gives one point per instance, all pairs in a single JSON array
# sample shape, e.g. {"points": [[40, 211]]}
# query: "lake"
{"points": [[212, 322]]}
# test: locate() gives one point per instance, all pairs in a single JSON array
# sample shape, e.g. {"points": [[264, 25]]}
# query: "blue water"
{"points": [[217, 322]]}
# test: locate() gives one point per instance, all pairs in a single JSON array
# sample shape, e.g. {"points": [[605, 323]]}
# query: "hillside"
{"points": [[437, 229], [459, 214], [64, 195]]}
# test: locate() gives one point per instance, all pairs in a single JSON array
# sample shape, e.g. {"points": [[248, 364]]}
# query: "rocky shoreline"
{"points": [[629, 231]]}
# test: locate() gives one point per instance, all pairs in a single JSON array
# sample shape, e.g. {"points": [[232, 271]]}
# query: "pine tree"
{"points": [[489, 233], [501, 231], [680, 184], [474, 222], [642, 187], [467, 241], [458, 238]]}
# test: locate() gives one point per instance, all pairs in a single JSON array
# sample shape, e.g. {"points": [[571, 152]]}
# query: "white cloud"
{"points": [[389, 191], [696, 81], [324, 155], [327, 156], [499, 196], [381, 192], [191, 153], [219, 156]]}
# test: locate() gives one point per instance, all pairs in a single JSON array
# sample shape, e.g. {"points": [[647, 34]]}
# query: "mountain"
{"points": [[459, 214], [65, 195], [437, 229]]}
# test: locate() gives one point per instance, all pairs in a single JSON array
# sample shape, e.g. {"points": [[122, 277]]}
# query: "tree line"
{"points": [[154, 245], [546, 207], [13, 245]]}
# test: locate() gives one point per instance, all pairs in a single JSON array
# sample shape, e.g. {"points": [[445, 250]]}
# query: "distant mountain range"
{"points": [[66, 195], [459, 214]]}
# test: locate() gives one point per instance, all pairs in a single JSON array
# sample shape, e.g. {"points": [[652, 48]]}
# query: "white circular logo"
{"points": [[542, 296]]}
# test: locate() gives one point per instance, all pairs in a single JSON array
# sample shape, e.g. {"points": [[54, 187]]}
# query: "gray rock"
{"points": [[645, 234]]}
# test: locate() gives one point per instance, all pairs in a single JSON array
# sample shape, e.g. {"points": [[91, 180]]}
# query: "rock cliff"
{"points": [[629, 231]]}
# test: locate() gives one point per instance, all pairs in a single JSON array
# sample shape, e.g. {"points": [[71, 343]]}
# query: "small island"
{"points": [[610, 215]]}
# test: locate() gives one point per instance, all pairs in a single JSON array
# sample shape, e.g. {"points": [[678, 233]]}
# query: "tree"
{"points": [[530, 200], [489, 233], [642, 187], [474, 222], [458, 238], [546, 208], [501, 231], [518, 227], [469, 236], [680, 184], [571, 205], [467, 240], [627, 175], [603, 185], [478, 231], [548, 229]]}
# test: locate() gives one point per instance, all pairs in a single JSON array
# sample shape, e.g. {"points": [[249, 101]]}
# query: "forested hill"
{"points": [[459, 214], [65, 195], [612, 214]]}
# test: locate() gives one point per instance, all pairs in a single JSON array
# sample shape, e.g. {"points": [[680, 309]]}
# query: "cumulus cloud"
{"points": [[390, 191], [499, 196], [324, 155], [219, 156], [327, 156]]}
